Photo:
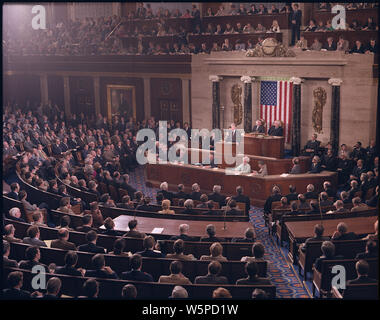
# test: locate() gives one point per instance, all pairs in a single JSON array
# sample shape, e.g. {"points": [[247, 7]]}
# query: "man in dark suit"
{"points": [[15, 189], [212, 277], [164, 191], [312, 146], [71, 259], [370, 251], [56, 148], [195, 194], [258, 127], [318, 236], [133, 233], [216, 196], [32, 255], [33, 237], [310, 194], [295, 22], [342, 233], [292, 195], [240, 197], [183, 233], [276, 129], [136, 274], [210, 230], [330, 45], [276, 196], [62, 241], [87, 221], [362, 269], [249, 236], [14, 292], [100, 269], [252, 270], [328, 253], [329, 161], [181, 194], [91, 246], [148, 245], [6, 261]]}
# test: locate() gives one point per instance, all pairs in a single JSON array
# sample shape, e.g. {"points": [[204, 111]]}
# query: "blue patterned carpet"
{"points": [[281, 272]]}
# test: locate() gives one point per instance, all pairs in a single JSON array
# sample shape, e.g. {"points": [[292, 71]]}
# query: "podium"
{"points": [[259, 145]]}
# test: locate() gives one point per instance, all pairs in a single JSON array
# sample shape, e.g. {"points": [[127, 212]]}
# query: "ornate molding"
{"points": [[247, 79], [296, 80], [215, 78], [270, 47], [335, 81]]}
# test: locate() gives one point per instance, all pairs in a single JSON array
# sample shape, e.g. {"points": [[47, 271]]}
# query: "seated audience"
{"points": [[14, 291], [33, 237], [362, 270], [62, 241], [252, 270], [69, 269], [342, 233], [210, 230], [179, 293], [249, 236], [183, 233], [370, 251], [148, 245], [176, 275], [178, 254], [212, 277], [100, 269], [8, 263], [136, 274], [90, 246], [318, 236], [133, 232], [258, 252]]}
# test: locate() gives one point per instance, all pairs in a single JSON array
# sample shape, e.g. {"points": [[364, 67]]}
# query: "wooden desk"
{"points": [[274, 165], [299, 231], [171, 227], [257, 188]]}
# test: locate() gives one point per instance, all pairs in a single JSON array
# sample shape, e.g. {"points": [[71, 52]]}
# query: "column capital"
{"points": [[296, 80], [247, 79], [335, 81], [215, 78]]}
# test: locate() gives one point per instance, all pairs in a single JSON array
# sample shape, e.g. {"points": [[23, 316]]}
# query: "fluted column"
{"points": [[247, 102], [296, 116], [215, 101], [335, 112]]}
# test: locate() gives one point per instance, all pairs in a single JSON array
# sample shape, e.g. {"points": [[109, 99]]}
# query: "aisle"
{"points": [[281, 273]]}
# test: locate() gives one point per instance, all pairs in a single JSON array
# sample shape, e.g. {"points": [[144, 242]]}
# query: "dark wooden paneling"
{"points": [[55, 90], [166, 98], [138, 83], [82, 96], [21, 88]]}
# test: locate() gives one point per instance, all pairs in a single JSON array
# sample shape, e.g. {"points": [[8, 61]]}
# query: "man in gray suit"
{"points": [[33, 237]]}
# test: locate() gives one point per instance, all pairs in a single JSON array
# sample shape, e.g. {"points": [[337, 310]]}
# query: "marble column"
{"points": [[97, 95], [44, 89], [215, 101], [296, 116], [66, 95], [247, 102], [147, 105], [335, 112]]}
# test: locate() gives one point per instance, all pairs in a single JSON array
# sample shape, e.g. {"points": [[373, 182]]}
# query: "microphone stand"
{"points": [[320, 209], [224, 220]]}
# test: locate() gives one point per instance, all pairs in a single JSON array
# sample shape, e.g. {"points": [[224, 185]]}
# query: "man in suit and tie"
{"points": [[362, 270], [312, 146], [14, 292], [71, 259], [33, 237], [15, 189], [183, 233], [181, 194], [258, 127], [276, 129], [240, 197], [64, 146], [148, 245], [6, 261], [91, 246], [212, 277], [216, 196], [100, 269], [136, 274], [295, 22], [231, 135], [56, 148], [62, 241]]}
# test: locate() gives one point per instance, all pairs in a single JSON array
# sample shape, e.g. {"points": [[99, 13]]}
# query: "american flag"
{"points": [[276, 104]]}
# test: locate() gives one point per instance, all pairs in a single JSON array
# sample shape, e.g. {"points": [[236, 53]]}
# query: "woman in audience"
{"points": [[166, 207], [216, 253]]}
